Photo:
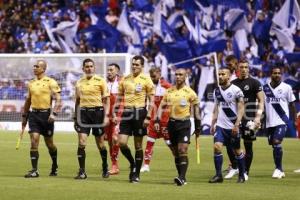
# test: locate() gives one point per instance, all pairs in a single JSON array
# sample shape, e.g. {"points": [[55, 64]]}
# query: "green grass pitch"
{"points": [[157, 184]]}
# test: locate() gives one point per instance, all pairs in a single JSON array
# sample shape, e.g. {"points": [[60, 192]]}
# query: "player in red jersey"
{"points": [[112, 130], [161, 87]]}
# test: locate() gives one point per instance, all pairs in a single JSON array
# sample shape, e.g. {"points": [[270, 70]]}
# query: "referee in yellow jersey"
{"points": [[182, 103], [91, 113], [41, 91], [135, 89]]}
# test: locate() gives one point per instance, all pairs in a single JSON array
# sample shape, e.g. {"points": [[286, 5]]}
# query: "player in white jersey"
{"points": [[227, 115], [279, 98]]}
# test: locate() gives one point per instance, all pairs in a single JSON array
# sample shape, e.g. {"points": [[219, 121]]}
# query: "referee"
{"points": [[41, 91], [91, 113], [135, 89], [182, 102]]}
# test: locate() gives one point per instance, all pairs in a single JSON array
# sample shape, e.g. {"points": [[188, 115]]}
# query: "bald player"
{"points": [[182, 102], [41, 91]]}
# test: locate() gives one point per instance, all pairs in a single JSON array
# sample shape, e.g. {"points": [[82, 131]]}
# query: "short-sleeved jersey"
{"points": [[277, 103], [40, 92], [91, 91], [179, 101], [135, 90], [113, 91], [160, 90], [250, 88], [227, 105]]}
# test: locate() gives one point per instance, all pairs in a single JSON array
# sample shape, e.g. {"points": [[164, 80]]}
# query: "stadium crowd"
{"points": [[164, 32]]}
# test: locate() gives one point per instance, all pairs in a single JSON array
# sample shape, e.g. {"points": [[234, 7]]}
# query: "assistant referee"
{"points": [[41, 91]]}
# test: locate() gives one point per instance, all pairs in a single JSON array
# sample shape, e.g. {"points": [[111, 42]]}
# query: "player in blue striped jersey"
{"points": [[228, 112], [279, 98]]}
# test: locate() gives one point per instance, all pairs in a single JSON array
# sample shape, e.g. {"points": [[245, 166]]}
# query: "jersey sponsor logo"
{"points": [[272, 100]]}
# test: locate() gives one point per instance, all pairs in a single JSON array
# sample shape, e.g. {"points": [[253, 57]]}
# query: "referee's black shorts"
{"points": [[179, 130], [132, 121], [38, 122], [90, 119]]}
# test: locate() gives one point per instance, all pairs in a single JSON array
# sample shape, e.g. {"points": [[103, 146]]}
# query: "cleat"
{"points": [[105, 174], [32, 174], [179, 181], [216, 179], [81, 175], [241, 179], [246, 176], [135, 178], [53, 171], [278, 174], [114, 170], [231, 173], [145, 168]]}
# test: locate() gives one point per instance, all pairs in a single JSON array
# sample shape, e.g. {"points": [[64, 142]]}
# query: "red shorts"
{"points": [[163, 133], [111, 131]]}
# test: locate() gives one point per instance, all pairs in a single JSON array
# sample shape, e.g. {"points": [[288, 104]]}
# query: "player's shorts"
{"points": [[246, 133], [276, 133], [163, 133], [90, 119], [111, 131], [179, 131], [132, 121], [225, 137], [38, 122]]}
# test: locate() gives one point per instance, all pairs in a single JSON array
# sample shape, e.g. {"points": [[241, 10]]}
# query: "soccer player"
{"points": [[232, 64], [227, 115], [161, 87], [253, 93], [91, 113], [182, 102], [135, 89], [41, 91], [279, 98], [111, 131]]}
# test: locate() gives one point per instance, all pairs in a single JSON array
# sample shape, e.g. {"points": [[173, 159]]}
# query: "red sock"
{"points": [[114, 154], [148, 152]]}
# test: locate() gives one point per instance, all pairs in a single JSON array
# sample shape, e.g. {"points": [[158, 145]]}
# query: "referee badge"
{"points": [[138, 87], [183, 102]]}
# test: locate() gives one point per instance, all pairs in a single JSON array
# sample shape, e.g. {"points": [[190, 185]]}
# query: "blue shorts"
{"points": [[276, 133], [225, 137]]}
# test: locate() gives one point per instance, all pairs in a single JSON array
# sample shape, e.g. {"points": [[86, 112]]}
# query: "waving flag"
{"points": [[123, 24], [284, 17]]}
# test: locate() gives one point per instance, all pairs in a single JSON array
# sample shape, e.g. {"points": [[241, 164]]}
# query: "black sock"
{"points": [[34, 156], [231, 156], [81, 157], [53, 155], [183, 165], [127, 153], [103, 153], [177, 165], [249, 155], [139, 160]]}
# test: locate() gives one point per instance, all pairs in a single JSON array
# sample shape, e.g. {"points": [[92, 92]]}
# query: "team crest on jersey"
{"points": [[246, 87], [229, 95], [279, 91]]}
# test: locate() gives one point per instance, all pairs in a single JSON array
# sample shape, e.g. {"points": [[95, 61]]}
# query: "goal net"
{"points": [[17, 69]]}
